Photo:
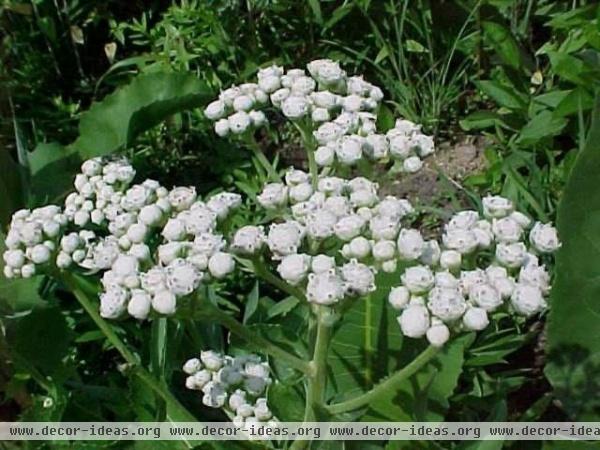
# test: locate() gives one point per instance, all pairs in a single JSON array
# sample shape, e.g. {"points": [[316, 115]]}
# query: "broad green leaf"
{"points": [[287, 402], [366, 346], [573, 340], [503, 42], [46, 162], [41, 338], [20, 294], [424, 397], [149, 99], [505, 96], [551, 99], [578, 100], [541, 126], [480, 120], [569, 67]]}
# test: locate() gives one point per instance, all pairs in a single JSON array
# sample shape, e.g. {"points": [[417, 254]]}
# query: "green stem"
{"points": [[177, 408], [387, 386], [260, 343], [316, 382], [369, 347], [310, 146], [263, 272], [262, 159], [158, 348]]}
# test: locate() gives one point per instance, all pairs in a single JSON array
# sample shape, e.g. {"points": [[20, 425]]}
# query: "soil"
{"points": [[455, 160]]}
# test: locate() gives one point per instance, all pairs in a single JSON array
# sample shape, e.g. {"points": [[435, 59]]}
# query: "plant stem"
{"points": [[263, 272], [384, 388], [310, 146], [317, 378], [319, 361], [262, 159], [177, 408], [257, 341]]}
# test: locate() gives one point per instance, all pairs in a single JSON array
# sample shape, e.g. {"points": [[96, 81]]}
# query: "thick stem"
{"points": [[385, 387], [316, 382], [257, 341], [176, 408]]}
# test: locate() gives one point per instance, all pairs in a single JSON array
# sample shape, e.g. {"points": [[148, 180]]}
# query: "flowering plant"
{"points": [[333, 249]]}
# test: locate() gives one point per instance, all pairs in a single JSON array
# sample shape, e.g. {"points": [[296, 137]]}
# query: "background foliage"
{"points": [[82, 78]]}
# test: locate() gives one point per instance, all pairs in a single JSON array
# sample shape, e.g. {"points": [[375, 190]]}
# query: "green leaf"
{"points": [[505, 96], [424, 397], [287, 401], [578, 100], [21, 294], [315, 6], [366, 346], [12, 178], [503, 42], [415, 47], [114, 122], [251, 303], [45, 162], [283, 307], [338, 14], [480, 120], [40, 338], [551, 99], [383, 53], [569, 67], [573, 341], [541, 126]]}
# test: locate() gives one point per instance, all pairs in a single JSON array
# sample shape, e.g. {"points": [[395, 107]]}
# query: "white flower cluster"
{"points": [[367, 231], [448, 290], [154, 245], [236, 384], [31, 240], [341, 109]]}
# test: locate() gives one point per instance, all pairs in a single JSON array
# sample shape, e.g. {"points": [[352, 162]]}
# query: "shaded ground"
{"points": [[453, 161]]}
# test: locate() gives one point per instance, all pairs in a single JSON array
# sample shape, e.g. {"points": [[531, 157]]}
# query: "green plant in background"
{"points": [[420, 57], [529, 67], [544, 92], [317, 256]]}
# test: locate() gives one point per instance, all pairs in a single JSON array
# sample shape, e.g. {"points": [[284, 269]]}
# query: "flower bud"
{"points": [[164, 302], [475, 319], [438, 335], [414, 321]]}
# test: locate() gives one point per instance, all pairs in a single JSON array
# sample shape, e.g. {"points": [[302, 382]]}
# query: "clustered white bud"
{"points": [[237, 384], [445, 292], [349, 211], [32, 239], [153, 245], [341, 107]]}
